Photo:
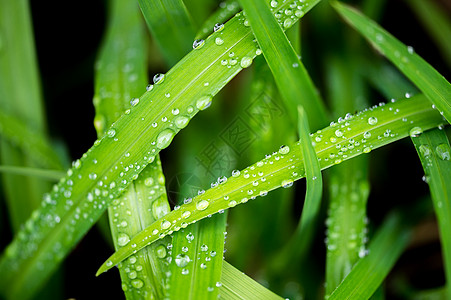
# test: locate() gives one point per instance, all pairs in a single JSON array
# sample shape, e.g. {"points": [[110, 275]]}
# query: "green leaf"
{"points": [[226, 10], [115, 160], [348, 182], [121, 70], [237, 285], [53, 175], [435, 155], [426, 78], [436, 22], [369, 272], [171, 25], [292, 79], [364, 132]]}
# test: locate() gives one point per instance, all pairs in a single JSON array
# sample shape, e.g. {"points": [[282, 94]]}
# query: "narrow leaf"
{"points": [[435, 155], [426, 78], [171, 25], [364, 132], [292, 79], [236, 285], [226, 10], [53, 175], [369, 272]]}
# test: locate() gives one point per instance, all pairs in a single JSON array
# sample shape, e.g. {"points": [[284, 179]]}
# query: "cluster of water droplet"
{"points": [[287, 15]]}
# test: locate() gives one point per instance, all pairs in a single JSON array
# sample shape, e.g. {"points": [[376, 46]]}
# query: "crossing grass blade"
{"points": [[369, 272], [424, 76], [121, 70], [171, 26], [30, 141], [436, 22], [348, 182], [362, 133], [116, 159], [226, 10], [292, 79], [435, 155], [236, 285]]}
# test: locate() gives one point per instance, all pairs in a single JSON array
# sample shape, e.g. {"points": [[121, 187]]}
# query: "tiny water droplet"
{"points": [[149, 87], [111, 132], [219, 41]]}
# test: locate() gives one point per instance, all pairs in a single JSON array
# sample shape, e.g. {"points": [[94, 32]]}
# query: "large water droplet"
{"points": [[218, 27], [181, 122], [246, 61], [158, 78], [123, 239], [182, 260], [134, 101], [202, 204], [372, 120], [415, 131], [425, 150], [219, 41], [443, 151], [197, 44], [160, 251], [164, 138], [284, 150], [204, 102]]}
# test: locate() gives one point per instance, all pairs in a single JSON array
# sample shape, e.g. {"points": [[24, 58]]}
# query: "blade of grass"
{"points": [[29, 140], [435, 155], [425, 77], [133, 140], [226, 10], [171, 25], [236, 285], [332, 145], [121, 70], [385, 248], [349, 186], [436, 22], [53, 175], [292, 79]]}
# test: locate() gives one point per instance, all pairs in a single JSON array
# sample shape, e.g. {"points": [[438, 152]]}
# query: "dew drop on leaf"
{"points": [[164, 138], [123, 239], [158, 78], [218, 27], [197, 44], [202, 204], [372, 120], [415, 131], [246, 61], [182, 260], [204, 102], [443, 151]]}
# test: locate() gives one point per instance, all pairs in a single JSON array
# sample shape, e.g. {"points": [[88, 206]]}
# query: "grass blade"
{"points": [[121, 70], [171, 25], [235, 285], [133, 140], [226, 10], [290, 75], [425, 77], [369, 272], [333, 145], [436, 22], [53, 175], [435, 155], [349, 186]]}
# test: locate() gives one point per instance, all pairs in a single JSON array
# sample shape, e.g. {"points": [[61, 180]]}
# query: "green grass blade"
{"points": [[435, 155], [115, 160], [121, 70], [226, 10], [52, 175], [348, 185], [369, 272], [425, 77], [290, 75], [30, 141], [236, 285], [364, 132], [171, 25], [436, 22], [196, 265]]}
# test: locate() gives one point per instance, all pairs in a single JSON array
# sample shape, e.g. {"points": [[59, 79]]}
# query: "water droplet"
{"points": [[367, 134], [158, 78], [219, 41], [287, 23], [287, 183], [197, 44], [274, 3], [203, 266], [338, 133], [165, 224], [410, 49], [443, 151], [299, 13], [92, 176], [164, 138], [111, 132], [236, 173], [425, 150], [149, 87], [232, 203], [123, 239], [372, 120], [204, 102], [284, 149], [246, 61], [415, 131], [366, 150], [218, 27], [186, 214], [137, 283], [160, 251], [202, 204], [182, 260], [185, 272], [204, 248]]}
